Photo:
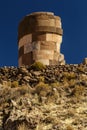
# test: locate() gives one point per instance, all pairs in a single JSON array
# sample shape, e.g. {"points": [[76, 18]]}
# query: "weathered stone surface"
{"points": [[39, 36], [61, 60], [38, 32], [27, 59], [85, 61], [57, 22], [24, 40], [20, 60], [21, 51], [41, 22], [28, 48], [45, 45], [44, 61], [53, 38], [43, 54]]}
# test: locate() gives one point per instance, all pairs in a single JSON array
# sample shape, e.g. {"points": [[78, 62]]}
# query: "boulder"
{"points": [[85, 61]]}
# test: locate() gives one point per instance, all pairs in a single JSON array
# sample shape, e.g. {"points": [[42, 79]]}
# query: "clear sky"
{"points": [[74, 22]]}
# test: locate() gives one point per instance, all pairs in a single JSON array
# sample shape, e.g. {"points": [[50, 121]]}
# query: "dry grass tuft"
{"points": [[69, 128], [22, 127], [43, 89], [37, 66], [14, 84]]}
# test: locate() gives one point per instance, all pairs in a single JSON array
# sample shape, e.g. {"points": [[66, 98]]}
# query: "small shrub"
{"points": [[82, 77], [55, 85], [43, 89], [24, 89], [69, 76], [72, 82], [80, 69], [14, 84], [37, 66], [41, 79], [78, 91], [22, 127], [69, 128], [9, 83]]}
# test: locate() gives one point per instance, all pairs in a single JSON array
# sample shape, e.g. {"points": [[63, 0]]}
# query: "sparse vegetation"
{"points": [[22, 127], [41, 79], [14, 84], [80, 68], [72, 82], [42, 89], [55, 85], [42, 99], [69, 128], [37, 66], [78, 91], [69, 75]]}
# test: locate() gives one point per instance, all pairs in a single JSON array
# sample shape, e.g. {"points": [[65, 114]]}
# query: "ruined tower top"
{"points": [[40, 22], [39, 39]]}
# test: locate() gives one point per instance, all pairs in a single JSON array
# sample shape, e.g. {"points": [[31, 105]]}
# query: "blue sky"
{"points": [[74, 22]]}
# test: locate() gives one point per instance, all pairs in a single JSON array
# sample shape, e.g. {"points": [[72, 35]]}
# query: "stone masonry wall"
{"points": [[39, 39]]}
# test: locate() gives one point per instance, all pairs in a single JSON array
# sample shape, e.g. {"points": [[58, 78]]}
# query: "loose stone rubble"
{"points": [[54, 98]]}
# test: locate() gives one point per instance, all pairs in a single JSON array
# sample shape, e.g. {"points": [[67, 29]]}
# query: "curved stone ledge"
{"points": [[43, 29], [39, 13], [40, 22]]}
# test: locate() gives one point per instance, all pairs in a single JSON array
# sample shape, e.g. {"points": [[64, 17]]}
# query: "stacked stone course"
{"points": [[40, 38], [26, 75]]}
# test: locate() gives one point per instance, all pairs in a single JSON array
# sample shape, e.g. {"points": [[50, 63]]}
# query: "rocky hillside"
{"points": [[43, 97]]}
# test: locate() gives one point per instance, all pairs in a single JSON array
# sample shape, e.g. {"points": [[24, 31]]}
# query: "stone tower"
{"points": [[39, 39]]}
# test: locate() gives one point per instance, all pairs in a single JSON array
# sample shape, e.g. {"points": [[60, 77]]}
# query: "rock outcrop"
{"points": [[53, 98]]}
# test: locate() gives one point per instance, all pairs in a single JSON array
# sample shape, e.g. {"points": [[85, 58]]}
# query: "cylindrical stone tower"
{"points": [[39, 39]]}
